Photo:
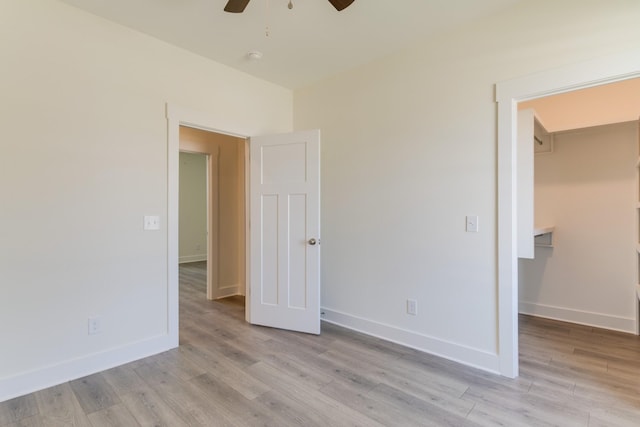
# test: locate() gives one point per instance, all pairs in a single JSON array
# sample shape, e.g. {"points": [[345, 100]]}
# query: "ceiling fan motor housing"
{"points": [[238, 6]]}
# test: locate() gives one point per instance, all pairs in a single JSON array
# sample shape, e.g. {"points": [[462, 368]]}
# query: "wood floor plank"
{"points": [[225, 370], [422, 379], [490, 415], [388, 406], [288, 410], [324, 409], [366, 341], [179, 396], [149, 409], [32, 421], [541, 410], [226, 401], [613, 417], [415, 383], [124, 379], [59, 406], [17, 409], [179, 364], [310, 375], [94, 393], [114, 416]]}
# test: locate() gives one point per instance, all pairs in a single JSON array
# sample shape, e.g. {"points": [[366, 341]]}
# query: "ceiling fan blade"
{"points": [[341, 4], [236, 6]]}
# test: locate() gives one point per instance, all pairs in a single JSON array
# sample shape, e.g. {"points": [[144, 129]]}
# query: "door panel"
{"points": [[284, 267]]}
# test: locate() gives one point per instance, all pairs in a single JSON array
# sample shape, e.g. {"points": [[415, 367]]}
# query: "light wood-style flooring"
{"points": [[228, 373]]}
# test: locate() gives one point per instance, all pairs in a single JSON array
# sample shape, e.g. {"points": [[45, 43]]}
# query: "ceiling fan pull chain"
{"points": [[266, 29]]}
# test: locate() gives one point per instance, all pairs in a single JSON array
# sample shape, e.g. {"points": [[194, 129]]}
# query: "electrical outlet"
{"points": [[412, 307], [95, 325], [151, 222]]}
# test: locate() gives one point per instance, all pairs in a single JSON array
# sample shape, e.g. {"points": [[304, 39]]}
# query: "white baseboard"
{"points": [[459, 353], [228, 291], [598, 320], [49, 376], [192, 258]]}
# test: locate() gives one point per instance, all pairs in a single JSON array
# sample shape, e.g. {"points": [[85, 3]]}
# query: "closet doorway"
{"points": [[586, 152], [593, 73]]}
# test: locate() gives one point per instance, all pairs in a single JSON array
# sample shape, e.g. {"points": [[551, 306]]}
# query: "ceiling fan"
{"points": [[237, 6]]}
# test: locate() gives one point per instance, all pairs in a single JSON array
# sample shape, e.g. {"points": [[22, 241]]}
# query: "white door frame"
{"points": [[176, 117], [596, 72]]}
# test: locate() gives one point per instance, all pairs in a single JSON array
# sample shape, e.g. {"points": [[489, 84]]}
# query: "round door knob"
{"points": [[312, 242]]}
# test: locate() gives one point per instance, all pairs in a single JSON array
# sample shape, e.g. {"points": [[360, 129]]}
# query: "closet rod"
{"points": [[538, 140]]}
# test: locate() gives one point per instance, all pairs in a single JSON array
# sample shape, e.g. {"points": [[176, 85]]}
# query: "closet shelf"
{"points": [[543, 236], [539, 231]]}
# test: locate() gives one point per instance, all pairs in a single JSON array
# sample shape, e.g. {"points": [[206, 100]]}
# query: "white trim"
{"points": [[199, 120], [228, 291], [173, 194], [449, 350], [564, 314], [599, 71], [49, 376], [192, 258]]}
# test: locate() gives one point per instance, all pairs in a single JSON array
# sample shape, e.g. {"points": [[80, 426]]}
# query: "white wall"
{"points": [[84, 158], [586, 188], [409, 149], [192, 244]]}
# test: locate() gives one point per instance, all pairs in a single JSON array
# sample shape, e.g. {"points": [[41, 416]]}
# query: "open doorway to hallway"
{"points": [[212, 213]]}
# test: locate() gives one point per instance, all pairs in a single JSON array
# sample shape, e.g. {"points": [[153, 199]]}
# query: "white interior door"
{"points": [[284, 236]]}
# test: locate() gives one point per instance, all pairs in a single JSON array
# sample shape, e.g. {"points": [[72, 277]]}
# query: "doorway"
{"points": [[216, 208], [583, 270], [564, 79]]}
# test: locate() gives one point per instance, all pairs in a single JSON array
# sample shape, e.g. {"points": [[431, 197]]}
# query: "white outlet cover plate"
{"points": [[412, 307], [95, 325], [151, 222]]}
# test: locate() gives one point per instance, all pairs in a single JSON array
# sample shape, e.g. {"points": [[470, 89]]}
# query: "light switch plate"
{"points": [[472, 223], [151, 222]]}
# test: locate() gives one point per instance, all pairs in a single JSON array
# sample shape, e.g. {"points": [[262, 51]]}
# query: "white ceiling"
{"points": [[306, 44]]}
